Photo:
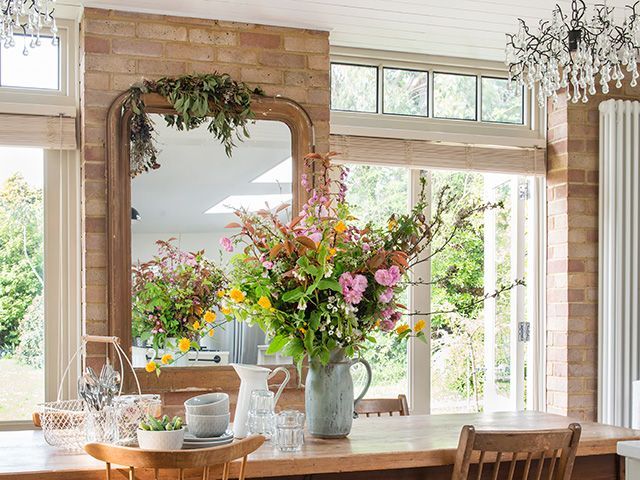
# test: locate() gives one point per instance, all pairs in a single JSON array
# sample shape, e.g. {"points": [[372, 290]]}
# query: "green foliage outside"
{"points": [[30, 350], [21, 259]]}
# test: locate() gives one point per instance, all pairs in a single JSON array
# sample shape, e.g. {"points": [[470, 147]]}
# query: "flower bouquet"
{"points": [[174, 296]]}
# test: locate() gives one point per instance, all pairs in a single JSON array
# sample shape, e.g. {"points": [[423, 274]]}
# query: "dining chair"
{"points": [[206, 459], [378, 406], [520, 451]]}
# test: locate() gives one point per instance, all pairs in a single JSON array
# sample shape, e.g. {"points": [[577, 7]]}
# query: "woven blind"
{"points": [[38, 131], [435, 155]]}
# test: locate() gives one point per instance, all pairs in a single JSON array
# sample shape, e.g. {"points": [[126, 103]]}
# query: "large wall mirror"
{"points": [[187, 202]]}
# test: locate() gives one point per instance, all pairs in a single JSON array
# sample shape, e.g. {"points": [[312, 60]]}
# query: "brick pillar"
{"points": [[572, 259]]}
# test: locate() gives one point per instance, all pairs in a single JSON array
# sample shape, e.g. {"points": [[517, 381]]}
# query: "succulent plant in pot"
{"points": [[161, 433]]}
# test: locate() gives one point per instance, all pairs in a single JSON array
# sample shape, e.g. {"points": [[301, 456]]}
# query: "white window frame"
{"points": [[62, 215], [35, 101], [529, 134]]}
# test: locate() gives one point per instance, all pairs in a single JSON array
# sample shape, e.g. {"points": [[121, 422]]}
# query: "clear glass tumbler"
{"points": [[290, 430], [262, 418]]}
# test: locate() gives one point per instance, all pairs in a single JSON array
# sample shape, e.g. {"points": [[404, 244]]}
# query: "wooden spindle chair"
{"points": [[206, 459], [550, 454], [376, 407]]}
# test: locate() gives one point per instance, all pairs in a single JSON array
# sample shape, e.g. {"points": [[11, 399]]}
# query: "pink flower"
{"points": [[366, 247], [353, 286], [389, 319], [267, 264], [386, 296], [316, 237], [389, 277], [226, 244]]}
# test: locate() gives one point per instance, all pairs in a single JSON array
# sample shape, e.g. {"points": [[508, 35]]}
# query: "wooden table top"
{"points": [[374, 444]]}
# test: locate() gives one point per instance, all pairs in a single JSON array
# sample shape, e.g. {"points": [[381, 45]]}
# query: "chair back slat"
{"points": [[202, 458], [383, 406], [543, 454]]}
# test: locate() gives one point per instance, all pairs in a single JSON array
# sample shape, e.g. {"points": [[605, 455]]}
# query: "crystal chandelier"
{"points": [[575, 54], [29, 18]]}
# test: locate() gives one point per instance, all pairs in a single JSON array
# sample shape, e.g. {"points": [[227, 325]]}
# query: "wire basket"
{"points": [[69, 424]]}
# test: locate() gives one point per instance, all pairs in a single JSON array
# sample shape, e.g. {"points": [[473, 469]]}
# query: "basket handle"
{"points": [[115, 341]]}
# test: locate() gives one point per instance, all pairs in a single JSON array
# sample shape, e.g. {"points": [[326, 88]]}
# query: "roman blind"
{"points": [[38, 131], [437, 155]]}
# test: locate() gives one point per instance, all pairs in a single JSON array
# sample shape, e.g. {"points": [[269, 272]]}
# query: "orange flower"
{"points": [[184, 344], [220, 293], [402, 328], [167, 358], [209, 317], [225, 310], [419, 326], [264, 302], [340, 227], [151, 366], [196, 325], [211, 333], [237, 295]]}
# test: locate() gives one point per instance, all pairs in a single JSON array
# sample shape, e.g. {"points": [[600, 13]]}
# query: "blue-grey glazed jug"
{"points": [[328, 395]]}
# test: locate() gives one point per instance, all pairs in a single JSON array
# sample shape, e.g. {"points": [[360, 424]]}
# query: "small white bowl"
{"points": [[208, 404], [207, 426], [160, 440]]}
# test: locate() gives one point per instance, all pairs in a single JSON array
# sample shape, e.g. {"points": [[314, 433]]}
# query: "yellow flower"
{"points": [[196, 325], [264, 302], [377, 324], [167, 358], [151, 366], [236, 295], [332, 252], [211, 332], [340, 227], [419, 326], [209, 317], [302, 330], [220, 293], [226, 310], [402, 328], [392, 223], [184, 345]]}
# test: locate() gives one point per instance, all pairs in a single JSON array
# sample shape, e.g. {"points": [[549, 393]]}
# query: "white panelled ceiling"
{"points": [[460, 28]]}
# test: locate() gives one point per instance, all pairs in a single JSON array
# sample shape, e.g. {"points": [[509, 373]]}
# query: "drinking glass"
{"points": [[261, 418], [290, 430]]}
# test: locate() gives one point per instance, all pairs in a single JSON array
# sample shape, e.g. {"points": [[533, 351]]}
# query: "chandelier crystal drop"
{"points": [[31, 19], [575, 54]]}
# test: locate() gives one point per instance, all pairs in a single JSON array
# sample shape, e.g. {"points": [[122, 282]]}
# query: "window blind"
{"points": [[437, 155], [38, 131]]}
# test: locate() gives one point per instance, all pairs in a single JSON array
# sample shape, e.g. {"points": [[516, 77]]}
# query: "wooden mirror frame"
{"points": [[277, 109]]}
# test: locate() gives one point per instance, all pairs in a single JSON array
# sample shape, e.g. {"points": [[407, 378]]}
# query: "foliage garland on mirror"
{"points": [[214, 98]]}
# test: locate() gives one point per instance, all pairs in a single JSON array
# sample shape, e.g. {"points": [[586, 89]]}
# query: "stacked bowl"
{"points": [[207, 416]]}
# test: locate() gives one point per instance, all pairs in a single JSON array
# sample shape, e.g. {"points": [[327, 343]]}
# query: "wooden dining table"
{"points": [[412, 447]]}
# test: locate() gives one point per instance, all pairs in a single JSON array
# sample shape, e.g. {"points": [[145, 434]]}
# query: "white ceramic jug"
{"points": [[252, 378]]}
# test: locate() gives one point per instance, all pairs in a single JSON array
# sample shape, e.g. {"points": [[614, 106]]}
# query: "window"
{"points": [[406, 92], [366, 185], [39, 68], [21, 282], [502, 102], [354, 88], [454, 96]]}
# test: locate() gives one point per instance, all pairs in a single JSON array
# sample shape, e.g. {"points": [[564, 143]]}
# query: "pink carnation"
{"points": [[386, 296], [389, 277], [226, 244], [353, 286]]}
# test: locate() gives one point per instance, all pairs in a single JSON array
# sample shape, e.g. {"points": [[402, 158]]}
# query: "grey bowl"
{"points": [[208, 404], [206, 426]]}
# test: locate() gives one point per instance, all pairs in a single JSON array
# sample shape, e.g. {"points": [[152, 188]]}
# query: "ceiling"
{"points": [[460, 28], [195, 175]]}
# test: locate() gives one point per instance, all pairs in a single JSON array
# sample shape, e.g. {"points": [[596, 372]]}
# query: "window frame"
{"points": [[522, 99], [477, 96], [429, 89], [531, 133], [39, 101], [350, 64]]}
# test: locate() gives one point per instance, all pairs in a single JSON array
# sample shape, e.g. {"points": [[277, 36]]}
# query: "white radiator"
{"points": [[619, 269]]}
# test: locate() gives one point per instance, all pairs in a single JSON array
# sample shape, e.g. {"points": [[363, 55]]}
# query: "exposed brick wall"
{"points": [[572, 255], [119, 49]]}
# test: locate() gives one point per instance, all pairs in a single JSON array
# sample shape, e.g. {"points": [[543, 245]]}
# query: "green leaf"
{"points": [[329, 284], [293, 295], [278, 342], [308, 340], [295, 348]]}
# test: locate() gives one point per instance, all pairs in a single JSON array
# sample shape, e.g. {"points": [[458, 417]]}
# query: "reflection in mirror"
{"points": [[191, 199]]}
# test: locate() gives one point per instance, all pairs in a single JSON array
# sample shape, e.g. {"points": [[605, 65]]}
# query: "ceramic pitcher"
{"points": [[328, 394], [252, 378]]}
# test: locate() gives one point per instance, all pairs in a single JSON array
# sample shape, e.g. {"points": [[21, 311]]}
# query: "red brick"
{"points": [[96, 44], [262, 40], [144, 48]]}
